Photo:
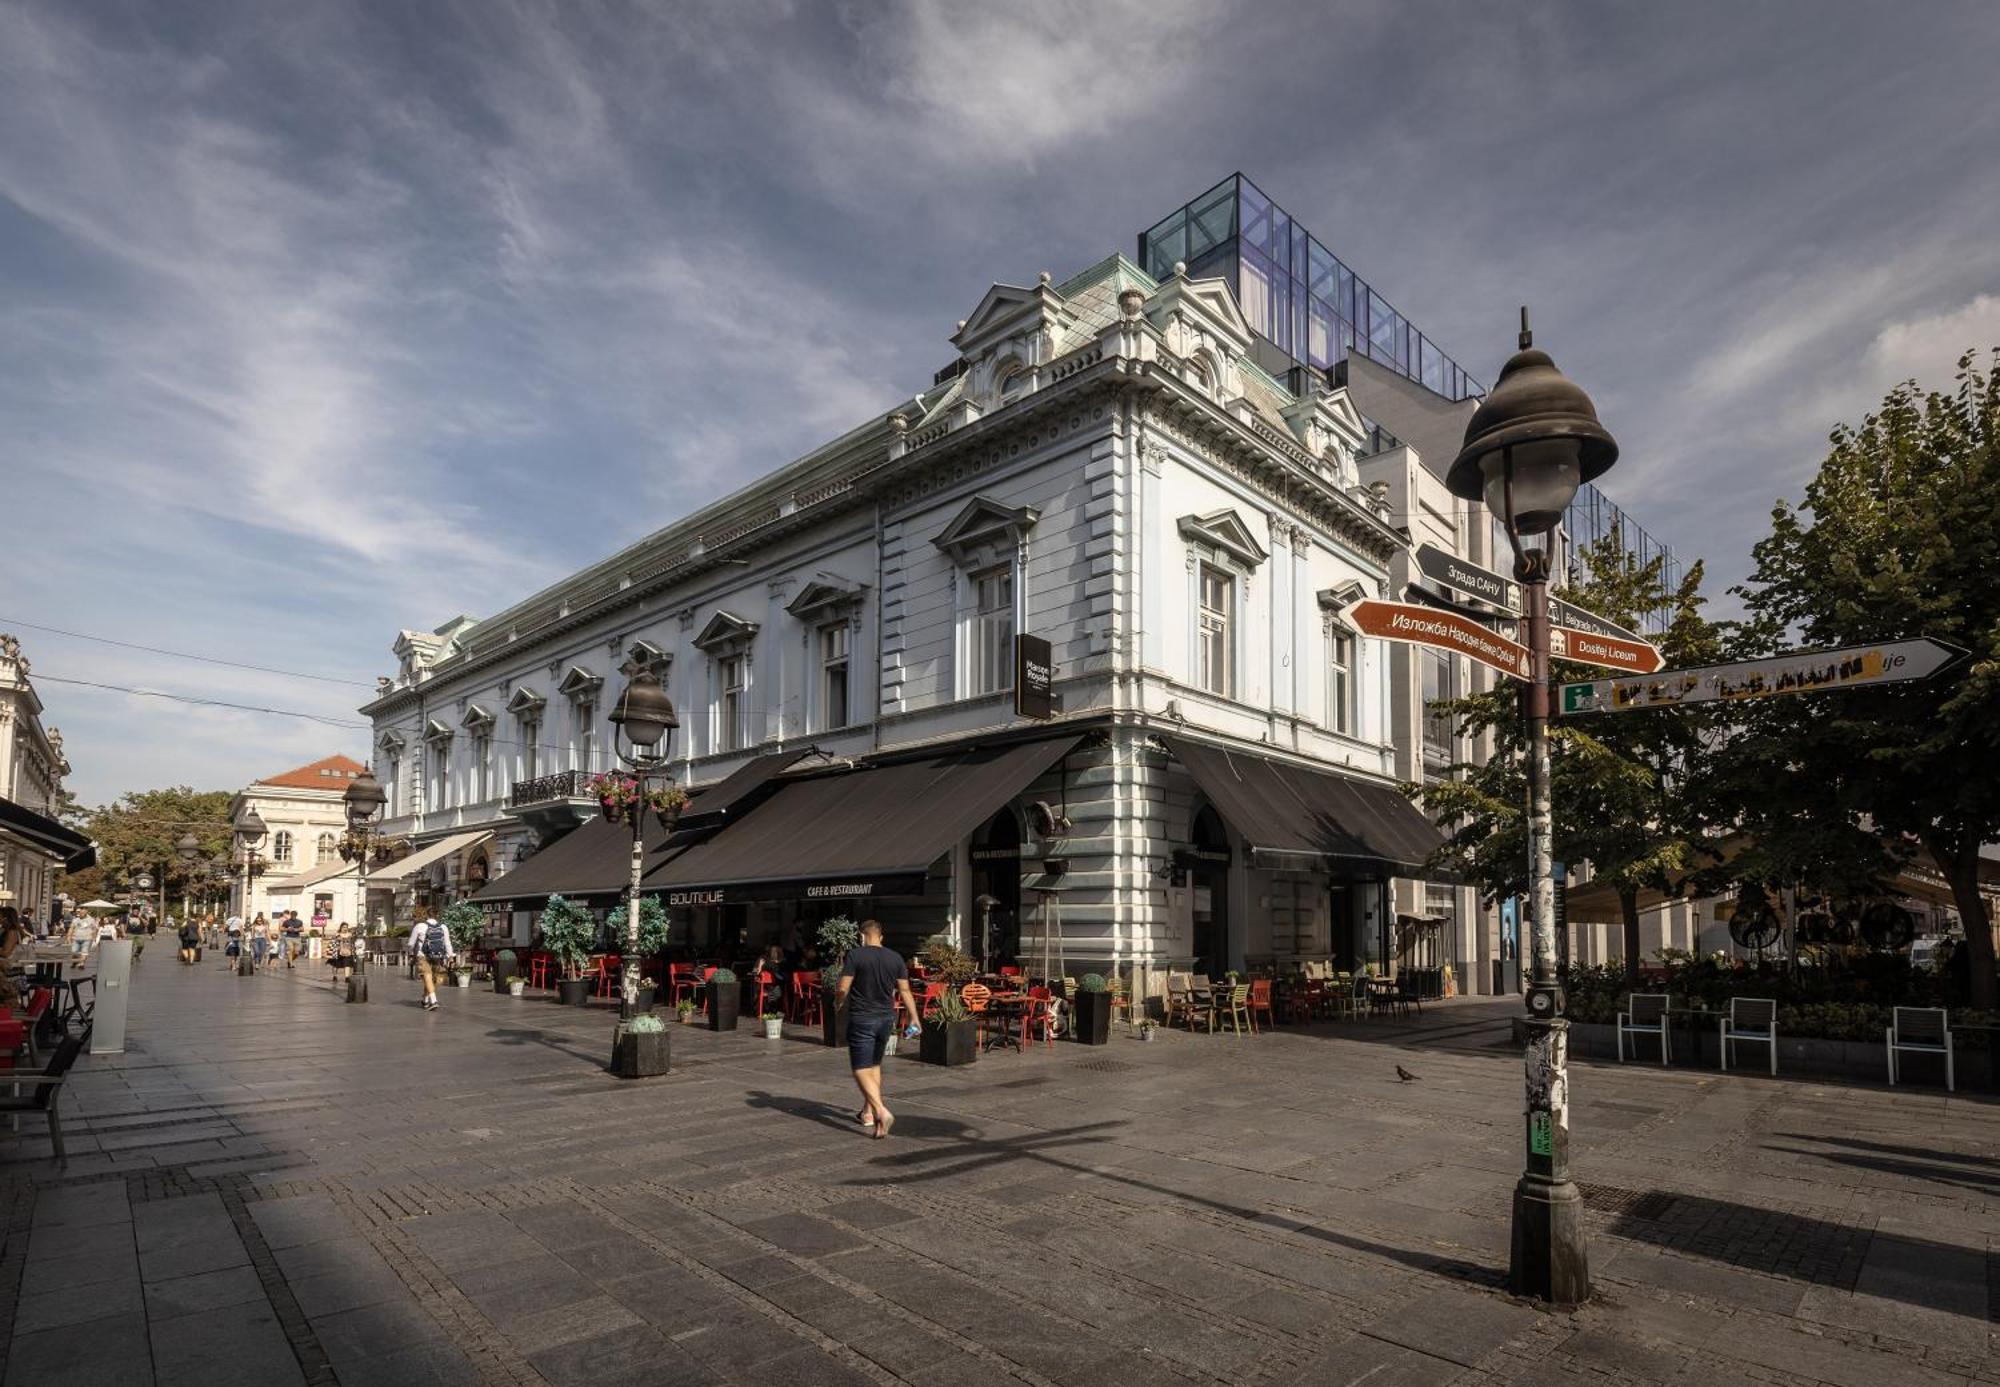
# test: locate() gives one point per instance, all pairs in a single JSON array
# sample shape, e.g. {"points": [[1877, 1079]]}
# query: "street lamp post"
{"points": [[363, 802], [647, 718], [250, 832], [1527, 448], [187, 850]]}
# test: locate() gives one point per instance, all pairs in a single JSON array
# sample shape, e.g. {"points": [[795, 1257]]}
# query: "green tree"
{"points": [[1898, 536], [139, 833], [1622, 788]]}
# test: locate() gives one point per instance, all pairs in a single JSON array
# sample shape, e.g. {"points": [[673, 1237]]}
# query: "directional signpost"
{"points": [[1443, 566], [1575, 618], [1613, 652], [1406, 621], [1800, 671]]}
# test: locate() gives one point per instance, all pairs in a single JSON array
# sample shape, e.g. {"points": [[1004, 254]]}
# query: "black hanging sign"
{"points": [[1034, 678]]}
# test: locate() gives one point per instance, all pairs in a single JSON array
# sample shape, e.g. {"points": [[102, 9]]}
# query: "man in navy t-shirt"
{"points": [[870, 982]]}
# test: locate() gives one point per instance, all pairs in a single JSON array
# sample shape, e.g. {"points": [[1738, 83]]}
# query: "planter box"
{"points": [[516, 988], [1093, 1018], [724, 1004], [573, 992], [957, 1043], [640, 1056], [833, 1022]]}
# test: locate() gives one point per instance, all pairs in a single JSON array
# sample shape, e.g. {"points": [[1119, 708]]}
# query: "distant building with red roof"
{"points": [[304, 816]]}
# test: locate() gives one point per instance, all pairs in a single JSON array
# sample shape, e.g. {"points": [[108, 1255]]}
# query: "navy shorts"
{"points": [[868, 1040]]}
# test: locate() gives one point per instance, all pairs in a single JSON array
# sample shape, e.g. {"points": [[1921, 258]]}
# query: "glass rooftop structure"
{"points": [[1299, 297], [1296, 293]]}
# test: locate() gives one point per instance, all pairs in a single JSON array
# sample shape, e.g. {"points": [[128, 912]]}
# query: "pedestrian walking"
{"points": [[431, 948], [870, 982], [295, 933], [190, 939], [260, 940], [341, 955], [82, 935], [232, 950]]}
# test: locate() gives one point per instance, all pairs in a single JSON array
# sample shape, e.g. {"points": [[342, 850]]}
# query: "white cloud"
{"points": [[1927, 348]]}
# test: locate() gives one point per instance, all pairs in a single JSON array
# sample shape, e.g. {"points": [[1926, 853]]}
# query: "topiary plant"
{"points": [[836, 938], [568, 932], [465, 923], [652, 924], [722, 977], [1092, 982], [647, 1024]]}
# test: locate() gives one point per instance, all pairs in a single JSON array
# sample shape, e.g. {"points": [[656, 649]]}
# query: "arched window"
{"points": [[323, 850], [281, 846]]}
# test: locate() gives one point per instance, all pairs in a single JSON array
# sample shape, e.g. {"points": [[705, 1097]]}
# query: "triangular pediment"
{"points": [[391, 742], [435, 731], [526, 702], [822, 596], [476, 717], [1225, 530], [724, 628], [984, 521], [646, 656], [577, 681], [1006, 311], [1208, 302]]}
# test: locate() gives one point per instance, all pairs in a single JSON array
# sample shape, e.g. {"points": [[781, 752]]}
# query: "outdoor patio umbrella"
{"points": [[101, 905]]}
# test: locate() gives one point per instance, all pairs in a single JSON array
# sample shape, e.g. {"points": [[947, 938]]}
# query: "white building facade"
{"points": [[304, 817], [1103, 467], [35, 848]]}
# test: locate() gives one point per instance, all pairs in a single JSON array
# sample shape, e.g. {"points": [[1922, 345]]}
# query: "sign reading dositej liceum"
{"points": [[1443, 566], [1432, 626], [1613, 652], [1800, 671], [1034, 678]]}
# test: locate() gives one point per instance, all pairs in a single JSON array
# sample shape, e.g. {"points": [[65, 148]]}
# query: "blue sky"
{"points": [[328, 319]]}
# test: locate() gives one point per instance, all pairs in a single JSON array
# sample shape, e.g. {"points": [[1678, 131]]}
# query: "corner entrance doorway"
{"points": [[996, 891], [1210, 880]]}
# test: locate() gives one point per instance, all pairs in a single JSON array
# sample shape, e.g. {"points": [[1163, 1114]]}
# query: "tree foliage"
{"points": [[1622, 788], [1898, 536], [139, 832]]}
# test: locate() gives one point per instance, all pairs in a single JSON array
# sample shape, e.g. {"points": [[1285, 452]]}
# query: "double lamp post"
{"points": [[646, 717], [1528, 447]]}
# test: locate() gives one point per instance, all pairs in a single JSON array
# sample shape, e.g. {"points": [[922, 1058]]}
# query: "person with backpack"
{"points": [[430, 946]]}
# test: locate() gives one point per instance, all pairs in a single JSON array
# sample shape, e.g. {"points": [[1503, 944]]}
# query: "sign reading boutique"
{"points": [[736, 893]]}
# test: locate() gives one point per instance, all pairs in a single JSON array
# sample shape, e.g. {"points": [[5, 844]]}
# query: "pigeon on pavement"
{"points": [[1404, 1075]]}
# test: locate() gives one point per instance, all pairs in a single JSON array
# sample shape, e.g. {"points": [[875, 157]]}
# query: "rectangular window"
{"points": [[992, 630], [1218, 609], [1340, 683], [586, 735], [440, 775], [529, 730], [394, 786], [1439, 686], [482, 768], [833, 709], [730, 679]]}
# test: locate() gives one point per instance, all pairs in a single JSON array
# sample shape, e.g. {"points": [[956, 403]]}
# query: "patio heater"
{"points": [[647, 718], [1528, 447]]}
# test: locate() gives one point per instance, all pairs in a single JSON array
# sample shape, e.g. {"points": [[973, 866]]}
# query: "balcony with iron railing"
{"points": [[559, 785]]}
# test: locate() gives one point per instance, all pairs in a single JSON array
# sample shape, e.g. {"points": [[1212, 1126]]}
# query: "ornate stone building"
{"points": [[34, 847]]}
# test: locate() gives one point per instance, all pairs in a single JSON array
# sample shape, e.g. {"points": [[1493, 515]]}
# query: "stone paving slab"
{"points": [[252, 1189]]}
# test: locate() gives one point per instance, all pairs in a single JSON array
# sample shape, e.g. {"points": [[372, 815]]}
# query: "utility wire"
{"points": [[182, 654], [203, 702]]}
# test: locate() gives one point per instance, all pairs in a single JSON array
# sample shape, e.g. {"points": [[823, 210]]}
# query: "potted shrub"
{"points": [[836, 937], [725, 999], [639, 1048], [505, 965], [570, 934], [1093, 1009], [684, 1009], [774, 1025], [517, 986], [1147, 1028], [951, 1033]]}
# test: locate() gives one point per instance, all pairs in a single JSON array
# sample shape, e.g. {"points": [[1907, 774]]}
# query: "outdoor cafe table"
{"points": [[1007, 1008]]}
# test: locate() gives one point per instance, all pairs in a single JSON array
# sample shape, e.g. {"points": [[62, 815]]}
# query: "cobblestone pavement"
{"points": [[273, 1187]]}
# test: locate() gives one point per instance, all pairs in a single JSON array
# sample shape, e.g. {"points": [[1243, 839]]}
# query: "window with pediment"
{"points": [[988, 543]]}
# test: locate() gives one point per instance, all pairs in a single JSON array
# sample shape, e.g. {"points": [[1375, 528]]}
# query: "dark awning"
{"points": [[1350, 826], [738, 792], [592, 862], [66, 845], [856, 833]]}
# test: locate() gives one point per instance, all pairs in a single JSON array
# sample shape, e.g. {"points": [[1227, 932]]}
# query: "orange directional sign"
{"points": [[1613, 652], [1405, 621]]}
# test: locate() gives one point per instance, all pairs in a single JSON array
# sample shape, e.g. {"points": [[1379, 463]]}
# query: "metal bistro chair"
{"points": [[1260, 1001], [1645, 1014], [47, 1088], [1920, 1030], [1752, 1019]]}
